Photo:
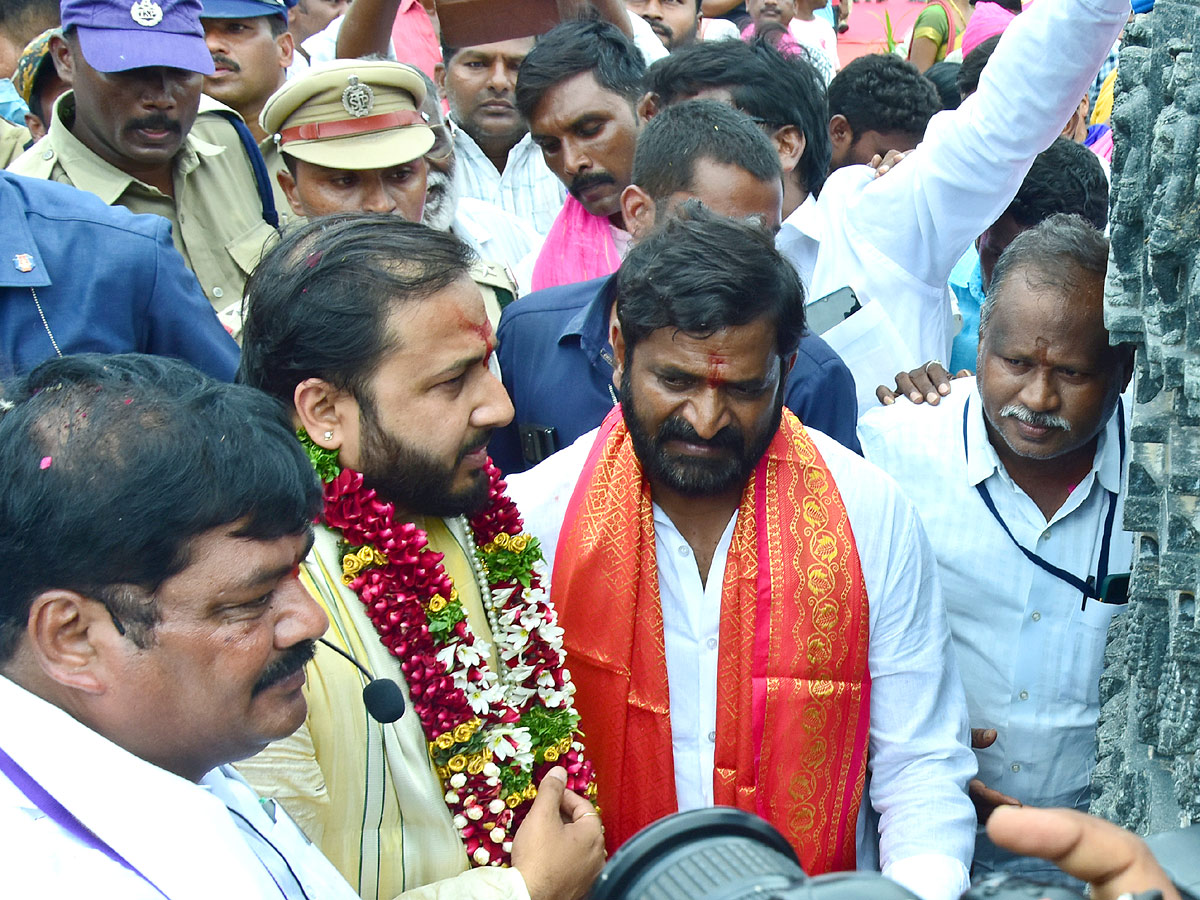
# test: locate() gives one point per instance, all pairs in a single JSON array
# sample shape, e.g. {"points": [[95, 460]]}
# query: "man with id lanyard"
{"points": [[152, 629], [1019, 481]]}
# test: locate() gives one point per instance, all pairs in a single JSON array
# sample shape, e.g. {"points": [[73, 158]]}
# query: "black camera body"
{"points": [[722, 853]]}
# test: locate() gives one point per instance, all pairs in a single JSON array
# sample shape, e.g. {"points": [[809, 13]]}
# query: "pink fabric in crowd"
{"points": [[414, 39], [987, 20], [579, 247]]}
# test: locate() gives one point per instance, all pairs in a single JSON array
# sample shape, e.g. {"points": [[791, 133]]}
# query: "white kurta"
{"points": [[184, 838], [919, 760], [896, 238], [1031, 653]]}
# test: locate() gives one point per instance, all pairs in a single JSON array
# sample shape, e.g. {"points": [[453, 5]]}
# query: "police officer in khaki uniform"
{"points": [[353, 138], [123, 133], [251, 49]]}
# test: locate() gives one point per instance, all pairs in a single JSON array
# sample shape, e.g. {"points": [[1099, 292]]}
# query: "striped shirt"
{"points": [[527, 188]]}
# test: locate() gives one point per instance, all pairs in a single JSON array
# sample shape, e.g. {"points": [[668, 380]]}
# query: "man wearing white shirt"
{"points": [[162, 633], [895, 239], [493, 233], [700, 521], [1019, 479], [497, 161]]}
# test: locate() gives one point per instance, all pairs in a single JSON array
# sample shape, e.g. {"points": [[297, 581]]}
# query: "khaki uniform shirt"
{"points": [[215, 129], [12, 141], [215, 215]]}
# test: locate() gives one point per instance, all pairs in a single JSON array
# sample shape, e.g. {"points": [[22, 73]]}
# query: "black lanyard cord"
{"points": [[1093, 586]]}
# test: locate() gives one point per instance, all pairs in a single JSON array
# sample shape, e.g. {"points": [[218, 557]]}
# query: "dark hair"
{"points": [[699, 272], [971, 69], [23, 20], [1057, 250], [575, 47], [670, 145], [881, 92], [278, 25], [944, 78], [1066, 177], [115, 464], [317, 305], [771, 87]]}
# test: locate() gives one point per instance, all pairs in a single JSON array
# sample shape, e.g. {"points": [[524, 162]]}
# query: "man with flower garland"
{"points": [[371, 330], [751, 611]]}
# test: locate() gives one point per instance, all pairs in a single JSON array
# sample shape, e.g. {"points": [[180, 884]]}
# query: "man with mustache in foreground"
{"points": [[162, 633], [751, 611], [123, 133], [1019, 480]]}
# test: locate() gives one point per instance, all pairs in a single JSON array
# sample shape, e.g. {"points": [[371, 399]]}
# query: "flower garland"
{"points": [[491, 736]]}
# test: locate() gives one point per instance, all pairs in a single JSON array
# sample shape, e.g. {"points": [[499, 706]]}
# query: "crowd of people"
{"points": [[593, 386]]}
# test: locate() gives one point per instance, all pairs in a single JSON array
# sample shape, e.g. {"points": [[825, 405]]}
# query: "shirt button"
{"points": [[49, 154], [218, 293], [1046, 535], [1024, 695], [683, 549], [1016, 767], [712, 737], [712, 643], [1037, 617]]}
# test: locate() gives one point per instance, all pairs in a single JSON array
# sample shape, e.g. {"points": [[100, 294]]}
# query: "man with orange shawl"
{"points": [[751, 611]]}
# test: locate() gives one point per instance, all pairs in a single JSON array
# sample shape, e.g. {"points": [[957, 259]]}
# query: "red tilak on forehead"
{"points": [[717, 364], [482, 329]]}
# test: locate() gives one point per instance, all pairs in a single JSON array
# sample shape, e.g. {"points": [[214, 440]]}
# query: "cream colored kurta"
{"points": [[367, 793], [215, 214]]}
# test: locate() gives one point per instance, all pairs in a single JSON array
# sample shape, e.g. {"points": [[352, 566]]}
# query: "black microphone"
{"points": [[382, 696]]}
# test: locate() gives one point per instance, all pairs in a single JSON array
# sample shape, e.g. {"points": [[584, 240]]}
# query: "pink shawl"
{"points": [[579, 247]]}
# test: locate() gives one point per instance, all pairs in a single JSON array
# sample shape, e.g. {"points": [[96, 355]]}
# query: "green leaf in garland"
{"points": [[324, 461], [443, 621]]}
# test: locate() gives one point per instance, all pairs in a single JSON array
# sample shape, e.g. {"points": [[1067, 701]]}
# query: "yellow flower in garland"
{"points": [[356, 561]]}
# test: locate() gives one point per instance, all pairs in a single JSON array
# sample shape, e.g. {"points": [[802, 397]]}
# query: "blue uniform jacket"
{"points": [[108, 281], [557, 366]]}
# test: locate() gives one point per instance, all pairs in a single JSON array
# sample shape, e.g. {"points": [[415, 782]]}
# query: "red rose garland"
{"points": [[491, 737]]}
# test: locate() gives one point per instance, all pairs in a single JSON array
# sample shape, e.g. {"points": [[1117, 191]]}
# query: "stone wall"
{"points": [[1148, 776]]}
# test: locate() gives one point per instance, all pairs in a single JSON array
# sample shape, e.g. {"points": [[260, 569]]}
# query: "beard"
{"points": [[416, 482], [441, 200], [694, 476]]}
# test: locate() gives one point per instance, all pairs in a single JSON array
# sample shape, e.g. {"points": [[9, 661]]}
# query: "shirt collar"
{"points": [[17, 239], [473, 229], [806, 219], [90, 173], [590, 324], [982, 460], [464, 143]]}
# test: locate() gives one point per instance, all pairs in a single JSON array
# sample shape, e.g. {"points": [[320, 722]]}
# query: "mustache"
{"points": [[223, 60], [1036, 419], [157, 122], [288, 664], [589, 180], [678, 429], [479, 442]]}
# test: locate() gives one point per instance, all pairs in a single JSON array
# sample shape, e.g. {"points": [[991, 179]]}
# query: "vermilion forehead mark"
{"points": [[718, 366], [483, 330]]}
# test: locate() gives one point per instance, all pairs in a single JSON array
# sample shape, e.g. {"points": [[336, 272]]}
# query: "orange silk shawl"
{"points": [[793, 687]]}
